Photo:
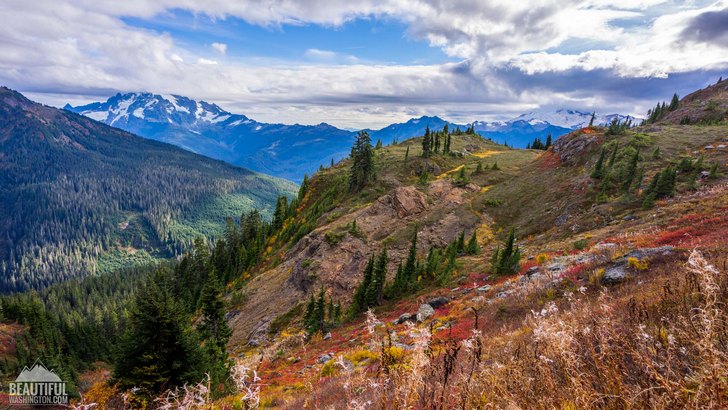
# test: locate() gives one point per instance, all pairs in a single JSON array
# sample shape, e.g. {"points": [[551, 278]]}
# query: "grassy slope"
{"points": [[530, 192]]}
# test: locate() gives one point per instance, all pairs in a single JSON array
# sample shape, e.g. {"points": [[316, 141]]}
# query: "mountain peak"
{"points": [[121, 109]]}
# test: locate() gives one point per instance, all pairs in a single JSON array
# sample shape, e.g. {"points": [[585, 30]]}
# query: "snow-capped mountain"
{"points": [[572, 119], [124, 108]]}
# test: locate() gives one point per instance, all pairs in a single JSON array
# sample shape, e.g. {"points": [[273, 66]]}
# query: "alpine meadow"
{"points": [[364, 205]]}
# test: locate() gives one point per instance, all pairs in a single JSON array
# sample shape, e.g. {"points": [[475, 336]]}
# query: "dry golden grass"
{"points": [[660, 342]]}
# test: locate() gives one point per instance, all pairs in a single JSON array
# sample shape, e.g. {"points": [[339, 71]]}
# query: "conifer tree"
{"points": [[406, 278], [507, 261], [674, 103], [309, 320], [460, 244], [159, 349], [613, 156], [375, 290], [630, 172], [362, 166], [591, 121], [472, 248], [319, 313], [281, 212], [548, 142], [495, 166], [214, 331], [656, 153], [359, 302], [478, 168], [598, 171], [379, 145], [427, 143]]}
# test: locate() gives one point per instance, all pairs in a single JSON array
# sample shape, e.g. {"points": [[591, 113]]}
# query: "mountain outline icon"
{"points": [[38, 374]]}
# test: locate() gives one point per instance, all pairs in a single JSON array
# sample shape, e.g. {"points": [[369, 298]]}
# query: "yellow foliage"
{"points": [[637, 264], [359, 356], [484, 234], [542, 258], [595, 278], [100, 393], [486, 154], [444, 174]]}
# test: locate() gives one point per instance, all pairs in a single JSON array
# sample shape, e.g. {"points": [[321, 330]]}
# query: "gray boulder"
{"points": [[324, 358], [425, 312], [438, 302], [615, 274], [483, 289], [405, 317]]}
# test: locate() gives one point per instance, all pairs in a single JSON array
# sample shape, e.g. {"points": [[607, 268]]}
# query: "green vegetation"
{"points": [[159, 349], [370, 292], [362, 163], [75, 189], [538, 144], [321, 316], [506, 261]]}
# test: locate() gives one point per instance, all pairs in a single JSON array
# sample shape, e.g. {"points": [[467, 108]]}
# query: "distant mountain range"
{"points": [[290, 151], [80, 197]]}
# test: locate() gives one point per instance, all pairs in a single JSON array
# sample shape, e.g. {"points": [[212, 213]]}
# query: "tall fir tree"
{"points": [[159, 349], [359, 302], [674, 103], [598, 171], [362, 164], [215, 332], [427, 143]]}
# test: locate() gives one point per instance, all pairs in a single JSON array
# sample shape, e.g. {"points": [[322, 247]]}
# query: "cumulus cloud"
{"points": [[320, 54], [219, 47], [513, 56]]}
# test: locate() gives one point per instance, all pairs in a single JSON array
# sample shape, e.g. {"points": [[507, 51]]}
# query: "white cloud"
{"points": [[83, 47], [219, 47], [320, 54], [205, 61]]}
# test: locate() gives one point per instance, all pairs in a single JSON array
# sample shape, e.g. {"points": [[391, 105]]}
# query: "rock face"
{"points": [[316, 259], [408, 201], [425, 312], [569, 147]]}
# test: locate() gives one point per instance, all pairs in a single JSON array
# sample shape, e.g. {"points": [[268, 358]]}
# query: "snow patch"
{"points": [[173, 100], [96, 115], [219, 118]]}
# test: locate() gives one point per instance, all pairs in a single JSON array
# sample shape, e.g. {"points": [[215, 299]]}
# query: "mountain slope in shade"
{"points": [[80, 197]]}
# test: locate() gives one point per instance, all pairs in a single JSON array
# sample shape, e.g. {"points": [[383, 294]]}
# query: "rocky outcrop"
{"points": [[571, 147], [408, 201]]}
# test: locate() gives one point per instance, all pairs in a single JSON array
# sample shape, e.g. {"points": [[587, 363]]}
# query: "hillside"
{"points": [[80, 197], [590, 249]]}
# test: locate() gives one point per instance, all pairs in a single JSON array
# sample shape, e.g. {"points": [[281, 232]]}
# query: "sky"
{"points": [[367, 63]]}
